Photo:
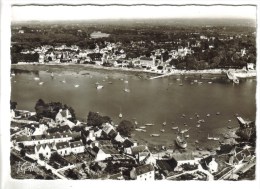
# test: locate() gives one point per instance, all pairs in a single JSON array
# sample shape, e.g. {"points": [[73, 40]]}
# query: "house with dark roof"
{"points": [[63, 148], [143, 172], [167, 165], [136, 150]]}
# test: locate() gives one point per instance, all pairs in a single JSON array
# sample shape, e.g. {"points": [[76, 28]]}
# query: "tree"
{"points": [[13, 105], [125, 128], [94, 119]]}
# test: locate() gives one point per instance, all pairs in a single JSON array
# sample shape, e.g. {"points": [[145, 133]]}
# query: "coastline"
{"points": [[86, 67]]}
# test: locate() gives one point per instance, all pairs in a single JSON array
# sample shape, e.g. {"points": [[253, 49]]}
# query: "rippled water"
{"points": [[149, 101]]}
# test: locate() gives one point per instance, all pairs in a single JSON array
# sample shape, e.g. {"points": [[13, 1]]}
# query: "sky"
{"points": [[50, 13]]}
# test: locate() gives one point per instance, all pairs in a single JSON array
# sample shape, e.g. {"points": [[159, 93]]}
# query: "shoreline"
{"points": [[85, 67]]}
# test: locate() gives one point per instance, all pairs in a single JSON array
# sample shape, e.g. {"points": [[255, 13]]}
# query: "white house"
{"points": [[144, 172], [63, 115], [63, 148], [44, 149], [213, 166], [40, 130], [100, 154], [77, 147]]}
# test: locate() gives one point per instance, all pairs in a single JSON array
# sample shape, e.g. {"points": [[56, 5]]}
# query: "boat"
{"points": [[208, 115], [236, 81], [200, 82], [184, 131], [100, 86], [210, 138], [97, 83], [164, 123], [195, 81], [12, 74], [120, 115], [187, 136], [149, 124], [180, 84], [143, 127], [52, 75], [41, 83], [174, 128], [154, 135], [76, 86], [64, 81], [218, 113], [110, 82], [181, 142], [36, 78], [138, 129], [143, 130], [127, 90], [215, 138], [126, 81], [162, 130], [196, 141], [136, 123], [209, 82], [229, 127], [199, 148], [178, 79], [198, 125]]}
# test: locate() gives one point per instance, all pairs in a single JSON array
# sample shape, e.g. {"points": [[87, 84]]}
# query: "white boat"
{"points": [[195, 81], [126, 81], [12, 74], [143, 130], [64, 81], [127, 90], [41, 83], [136, 123], [184, 131], [100, 87], [187, 136], [52, 75], [198, 125], [120, 115], [164, 123], [236, 81], [181, 142], [162, 130], [178, 79], [138, 129], [149, 124], [215, 138], [218, 113], [36, 78], [208, 115], [174, 128], [210, 138], [76, 86], [196, 141], [154, 135], [209, 82], [143, 127]]}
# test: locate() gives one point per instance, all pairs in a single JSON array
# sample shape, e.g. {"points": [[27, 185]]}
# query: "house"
{"points": [[117, 176], [143, 172], [147, 62], [135, 150], [250, 66], [62, 115], [119, 138], [209, 164], [99, 154], [40, 130], [77, 147], [186, 157], [148, 159], [44, 149], [63, 148], [167, 165], [239, 157]]}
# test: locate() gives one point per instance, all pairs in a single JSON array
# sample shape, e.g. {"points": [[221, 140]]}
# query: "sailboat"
{"points": [[52, 75], [210, 138], [120, 114], [126, 89]]}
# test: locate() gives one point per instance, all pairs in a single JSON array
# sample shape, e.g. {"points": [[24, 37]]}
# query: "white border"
{"points": [[7, 182]]}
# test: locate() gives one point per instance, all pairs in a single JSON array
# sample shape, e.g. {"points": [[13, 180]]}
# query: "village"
{"points": [[57, 146]]}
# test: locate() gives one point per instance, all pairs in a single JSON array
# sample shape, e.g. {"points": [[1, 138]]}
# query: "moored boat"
{"points": [[100, 87], [181, 142], [154, 135], [149, 124]]}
